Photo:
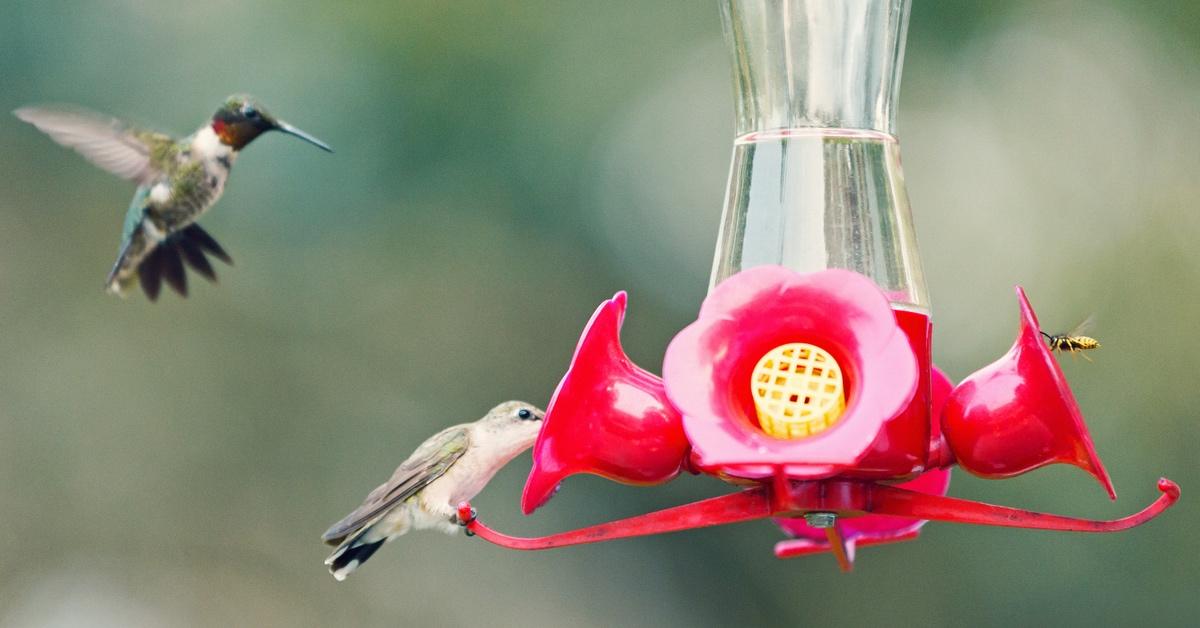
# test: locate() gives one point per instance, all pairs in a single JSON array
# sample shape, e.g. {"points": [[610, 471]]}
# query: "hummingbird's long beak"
{"points": [[280, 125]]}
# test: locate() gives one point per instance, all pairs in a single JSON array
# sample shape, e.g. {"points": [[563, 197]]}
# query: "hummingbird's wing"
{"points": [[429, 462], [109, 143]]}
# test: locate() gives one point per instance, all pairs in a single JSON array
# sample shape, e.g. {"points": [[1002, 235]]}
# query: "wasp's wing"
{"points": [[1084, 326], [429, 462], [107, 142]]}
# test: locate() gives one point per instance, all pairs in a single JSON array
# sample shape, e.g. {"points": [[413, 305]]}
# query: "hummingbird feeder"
{"points": [[806, 378]]}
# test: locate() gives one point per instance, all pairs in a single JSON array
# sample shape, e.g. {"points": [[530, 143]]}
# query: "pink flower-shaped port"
{"points": [[875, 529], [708, 368]]}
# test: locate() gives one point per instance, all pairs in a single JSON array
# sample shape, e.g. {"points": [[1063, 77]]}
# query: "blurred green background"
{"points": [[503, 166]]}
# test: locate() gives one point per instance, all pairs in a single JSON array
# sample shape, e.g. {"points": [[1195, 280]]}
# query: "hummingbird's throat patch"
{"points": [[230, 135], [222, 130]]}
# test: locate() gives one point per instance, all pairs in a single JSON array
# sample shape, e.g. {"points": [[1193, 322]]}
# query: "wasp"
{"points": [[1074, 341]]}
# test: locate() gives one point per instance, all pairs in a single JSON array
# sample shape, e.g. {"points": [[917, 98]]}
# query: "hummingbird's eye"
{"points": [[249, 111], [524, 414]]}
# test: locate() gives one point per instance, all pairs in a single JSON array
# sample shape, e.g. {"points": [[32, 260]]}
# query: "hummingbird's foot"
{"points": [[465, 517]]}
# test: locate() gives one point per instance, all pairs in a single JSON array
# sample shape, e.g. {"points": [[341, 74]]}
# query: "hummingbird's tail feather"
{"points": [[172, 267], [193, 245], [166, 260], [194, 256], [199, 239], [150, 273], [354, 552]]}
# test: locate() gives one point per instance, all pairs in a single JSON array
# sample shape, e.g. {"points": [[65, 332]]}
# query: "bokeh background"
{"points": [[503, 166]]}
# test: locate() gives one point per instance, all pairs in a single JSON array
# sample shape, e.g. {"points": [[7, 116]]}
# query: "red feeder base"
{"points": [[840, 497]]}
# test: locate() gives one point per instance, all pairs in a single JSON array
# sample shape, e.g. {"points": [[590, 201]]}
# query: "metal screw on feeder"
{"points": [[820, 520], [806, 379]]}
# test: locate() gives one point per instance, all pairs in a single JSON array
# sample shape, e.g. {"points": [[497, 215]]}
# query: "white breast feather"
{"points": [[206, 145], [160, 193]]}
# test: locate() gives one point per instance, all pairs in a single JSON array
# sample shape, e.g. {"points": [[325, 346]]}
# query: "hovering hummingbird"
{"points": [[425, 490], [178, 180]]}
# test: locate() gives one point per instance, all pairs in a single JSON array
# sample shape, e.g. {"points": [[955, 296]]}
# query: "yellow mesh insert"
{"points": [[798, 391]]}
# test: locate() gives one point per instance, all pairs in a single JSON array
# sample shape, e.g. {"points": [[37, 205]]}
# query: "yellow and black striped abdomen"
{"points": [[1073, 343]]}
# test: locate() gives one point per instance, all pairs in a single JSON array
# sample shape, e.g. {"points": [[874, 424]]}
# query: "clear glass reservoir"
{"points": [[816, 181]]}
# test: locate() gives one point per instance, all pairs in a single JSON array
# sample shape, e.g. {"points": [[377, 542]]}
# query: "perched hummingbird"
{"points": [[424, 492], [178, 180]]}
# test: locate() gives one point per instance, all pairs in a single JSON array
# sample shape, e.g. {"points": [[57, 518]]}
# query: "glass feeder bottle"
{"points": [[815, 181]]}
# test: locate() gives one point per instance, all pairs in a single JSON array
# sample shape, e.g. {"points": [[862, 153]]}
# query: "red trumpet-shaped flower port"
{"points": [[1018, 413], [789, 372], [607, 417], [873, 529]]}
